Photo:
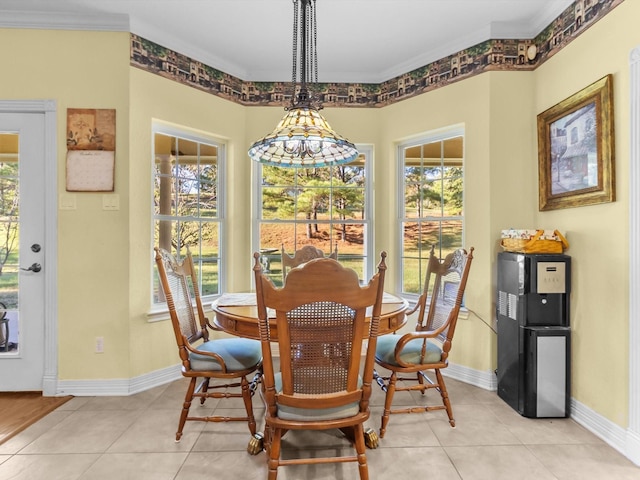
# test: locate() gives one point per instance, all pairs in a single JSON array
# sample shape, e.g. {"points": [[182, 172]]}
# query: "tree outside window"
{"points": [[325, 207]]}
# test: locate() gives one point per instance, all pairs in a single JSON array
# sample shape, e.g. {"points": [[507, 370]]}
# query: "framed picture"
{"points": [[91, 144], [576, 149]]}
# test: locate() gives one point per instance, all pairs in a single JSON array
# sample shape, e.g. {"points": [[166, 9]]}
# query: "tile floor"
{"points": [[93, 438]]}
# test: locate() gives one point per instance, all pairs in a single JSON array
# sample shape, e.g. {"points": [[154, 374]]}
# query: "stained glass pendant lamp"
{"points": [[303, 138]]}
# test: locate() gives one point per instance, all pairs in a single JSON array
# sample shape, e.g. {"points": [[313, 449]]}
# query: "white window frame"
{"points": [[428, 137], [186, 134]]}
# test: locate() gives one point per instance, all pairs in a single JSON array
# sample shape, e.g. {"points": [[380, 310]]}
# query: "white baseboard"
{"points": [[118, 387], [624, 441], [477, 378], [632, 449]]}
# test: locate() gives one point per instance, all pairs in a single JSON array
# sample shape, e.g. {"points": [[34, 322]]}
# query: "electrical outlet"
{"points": [[99, 344]]}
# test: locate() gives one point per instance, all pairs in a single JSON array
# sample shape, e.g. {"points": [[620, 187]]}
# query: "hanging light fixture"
{"points": [[303, 138]]}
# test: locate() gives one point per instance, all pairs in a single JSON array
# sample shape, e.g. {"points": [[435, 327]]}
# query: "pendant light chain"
{"points": [[294, 73], [309, 54], [314, 42], [303, 138]]}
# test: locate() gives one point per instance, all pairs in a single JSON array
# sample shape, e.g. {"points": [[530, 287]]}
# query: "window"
{"points": [[326, 207], [187, 209], [431, 204]]}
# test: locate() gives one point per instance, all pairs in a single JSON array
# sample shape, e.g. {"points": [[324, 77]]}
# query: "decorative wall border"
{"points": [[490, 55]]}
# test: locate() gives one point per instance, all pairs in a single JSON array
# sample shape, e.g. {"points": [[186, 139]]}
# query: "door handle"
{"points": [[35, 267]]}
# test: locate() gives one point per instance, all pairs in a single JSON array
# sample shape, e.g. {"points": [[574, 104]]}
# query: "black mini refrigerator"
{"points": [[534, 337]]}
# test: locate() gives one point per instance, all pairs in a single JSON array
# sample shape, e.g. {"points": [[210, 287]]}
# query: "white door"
{"points": [[22, 262]]}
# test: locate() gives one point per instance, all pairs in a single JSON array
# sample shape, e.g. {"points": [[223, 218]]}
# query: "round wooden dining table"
{"points": [[237, 314]]}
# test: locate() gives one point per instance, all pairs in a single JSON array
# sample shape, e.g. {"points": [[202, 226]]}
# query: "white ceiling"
{"points": [[367, 41]]}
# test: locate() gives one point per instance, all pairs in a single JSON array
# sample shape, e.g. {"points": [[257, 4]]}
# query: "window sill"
{"points": [[161, 313]]}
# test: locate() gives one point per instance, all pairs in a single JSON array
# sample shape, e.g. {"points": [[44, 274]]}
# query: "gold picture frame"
{"points": [[576, 149]]}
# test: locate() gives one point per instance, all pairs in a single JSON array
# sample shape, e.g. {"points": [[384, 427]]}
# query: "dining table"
{"points": [[237, 314]]}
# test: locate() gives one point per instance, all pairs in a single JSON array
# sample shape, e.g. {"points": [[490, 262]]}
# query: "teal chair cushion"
{"points": [[410, 353], [311, 414], [237, 353]]}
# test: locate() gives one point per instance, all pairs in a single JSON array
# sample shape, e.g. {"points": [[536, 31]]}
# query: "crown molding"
{"points": [[64, 21]]}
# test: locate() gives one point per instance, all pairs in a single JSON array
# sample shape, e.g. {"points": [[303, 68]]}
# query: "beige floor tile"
{"points": [[226, 436], [24, 438], [46, 467], [83, 432], [410, 462], [585, 462], [461, 393], [136, 466], [74, 404], [173, 392], [133, 438], [475, 425], [405, 430], [155, 431], [508, 462], [224, 465], [543, 430]]}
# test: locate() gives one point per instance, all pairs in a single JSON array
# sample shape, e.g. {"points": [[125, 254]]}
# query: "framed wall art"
{"points": [[91, 142], [576, 149]]}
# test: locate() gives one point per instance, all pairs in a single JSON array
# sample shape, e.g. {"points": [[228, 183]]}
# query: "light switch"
{"points": [[111, 202], [67, 202]]}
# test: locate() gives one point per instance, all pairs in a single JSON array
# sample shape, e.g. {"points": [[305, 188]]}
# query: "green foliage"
{"points": [[479, 49], [264, 86], [312, 191], [213, 73], [371, 87], [153, 48], [419, 72]]}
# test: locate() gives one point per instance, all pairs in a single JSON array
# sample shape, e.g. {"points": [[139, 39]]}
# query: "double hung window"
{"points": [[187, 207], [431, 186], [327, 207]]}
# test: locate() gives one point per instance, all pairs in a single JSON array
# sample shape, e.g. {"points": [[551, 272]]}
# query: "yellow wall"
{"points": [[104, 256], [156, 99], [598, 234], [83, 70]]}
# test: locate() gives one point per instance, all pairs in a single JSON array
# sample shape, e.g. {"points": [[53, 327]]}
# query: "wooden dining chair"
{"points": [[227, 361], [427, 348], [321, 322], [302, 255]]}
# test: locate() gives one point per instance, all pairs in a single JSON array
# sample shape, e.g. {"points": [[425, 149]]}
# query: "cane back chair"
{"points": [[322, 317], [426, 348], [226, 360], [302, 255]]}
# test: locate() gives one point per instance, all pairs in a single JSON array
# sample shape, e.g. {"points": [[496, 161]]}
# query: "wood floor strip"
{"points": [[21, 409]]}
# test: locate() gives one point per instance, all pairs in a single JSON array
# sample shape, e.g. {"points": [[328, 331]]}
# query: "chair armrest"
{"points": [[404, 340], [213, 327], [213, 355], [415, 307]]}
